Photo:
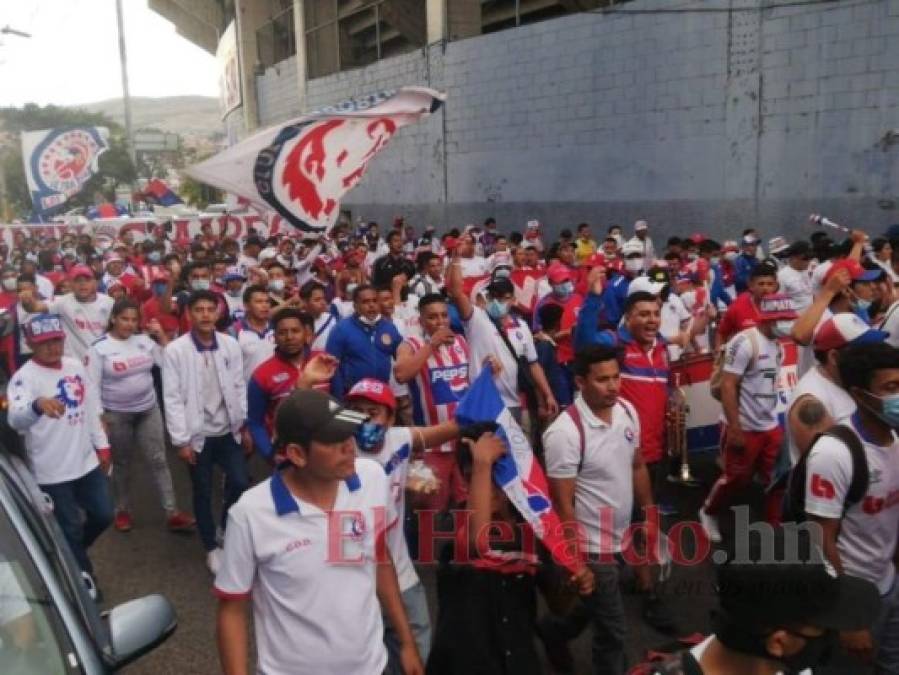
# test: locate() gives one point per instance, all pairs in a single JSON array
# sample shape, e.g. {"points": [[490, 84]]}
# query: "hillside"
{"points": [[185, 115]]}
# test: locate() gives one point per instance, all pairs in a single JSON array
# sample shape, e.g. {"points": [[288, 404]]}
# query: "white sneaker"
{"points": [[214, 560], [710, 525]]}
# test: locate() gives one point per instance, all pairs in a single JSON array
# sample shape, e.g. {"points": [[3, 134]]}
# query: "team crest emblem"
{"points": [[309, 166], [70, 391], [62, 162], [629, 434], [385, 339]]}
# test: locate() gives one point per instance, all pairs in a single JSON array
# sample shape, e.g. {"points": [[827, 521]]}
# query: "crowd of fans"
{"points": [[341, 361]]}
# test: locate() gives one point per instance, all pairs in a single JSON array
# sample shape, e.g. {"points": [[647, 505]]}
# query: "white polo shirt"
{"points": [[255, 347], [313, 614], [605, 483], [869, 530], [394, 457], [484, 340]]}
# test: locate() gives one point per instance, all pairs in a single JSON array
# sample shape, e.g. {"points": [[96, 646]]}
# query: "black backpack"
{"points": [[794, 503]]}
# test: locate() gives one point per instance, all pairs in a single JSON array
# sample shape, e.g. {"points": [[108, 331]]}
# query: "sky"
{"points": [[72, 56]]}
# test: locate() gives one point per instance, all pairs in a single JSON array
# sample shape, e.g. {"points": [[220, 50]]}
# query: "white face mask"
{"points": [[715, 260], [782, 328], [731, 255], [369, 322], [633, 264], [9, 284], [276, 285]]}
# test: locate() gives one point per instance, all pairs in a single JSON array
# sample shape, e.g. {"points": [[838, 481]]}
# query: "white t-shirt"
{"points": [[758, 383], [797, 285], [312, 615], [324, 324], [255, 348], [83, 322], [394, 456], [123, 371], [605, 480], [838, 404], [476, 266], [675, 317], [869, 530], [484, 340], [61, 449]]}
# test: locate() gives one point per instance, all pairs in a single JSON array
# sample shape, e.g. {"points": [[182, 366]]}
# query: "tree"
{"points": [[115, 166]]}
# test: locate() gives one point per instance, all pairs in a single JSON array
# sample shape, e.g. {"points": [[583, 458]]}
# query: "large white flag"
{"points": [[302, 168], [58, 162]]}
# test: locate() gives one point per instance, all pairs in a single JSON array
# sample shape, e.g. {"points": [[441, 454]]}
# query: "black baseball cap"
{"points": [[783, 579], [800, 247], [500, 286], [309, 415]]}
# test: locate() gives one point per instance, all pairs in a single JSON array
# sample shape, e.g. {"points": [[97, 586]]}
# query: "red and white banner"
{"points": [[183, 229], [302, 169]]}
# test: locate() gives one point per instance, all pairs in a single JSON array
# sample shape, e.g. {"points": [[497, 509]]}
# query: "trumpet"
{"points": [[676, 414]]}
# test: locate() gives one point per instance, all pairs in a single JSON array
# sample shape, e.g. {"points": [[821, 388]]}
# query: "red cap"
{"points": [[80, 271], [375, 391], [558, 274], [697, 238], [855, 269], [776, 306]]}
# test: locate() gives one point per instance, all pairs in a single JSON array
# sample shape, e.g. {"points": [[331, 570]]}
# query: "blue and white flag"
{"points": [[58, 162], [517, 472]]}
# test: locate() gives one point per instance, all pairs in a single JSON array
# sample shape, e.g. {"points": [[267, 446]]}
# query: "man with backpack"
{"points": [[851, 489], [596, 475], [751, 436]]}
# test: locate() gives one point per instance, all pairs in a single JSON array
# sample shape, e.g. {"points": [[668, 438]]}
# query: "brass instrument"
{"points": [[676, 416]]}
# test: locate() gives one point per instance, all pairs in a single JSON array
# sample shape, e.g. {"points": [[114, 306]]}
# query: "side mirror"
{"points": [[139, 626]]}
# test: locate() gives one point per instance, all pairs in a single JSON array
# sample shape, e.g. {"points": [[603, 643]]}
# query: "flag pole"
{"points": [[126, 99]]}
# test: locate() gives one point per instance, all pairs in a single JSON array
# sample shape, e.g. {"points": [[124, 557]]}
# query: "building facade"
{"points": [[742, 114]]}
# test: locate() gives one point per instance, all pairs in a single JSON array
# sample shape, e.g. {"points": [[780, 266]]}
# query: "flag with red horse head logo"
{"points": [[303, 168], [58, 162]]}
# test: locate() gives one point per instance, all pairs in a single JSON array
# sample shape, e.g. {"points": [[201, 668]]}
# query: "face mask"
{"points": [[618, 239], [691, 257], [200, 284], [564, 290], [370, 436], [782, 328], [154, 256], [159, 288], [9, 284], [633, 264], [714, 260], [68, 251], [369, 322], [276, 285], [889, 409], [862, 304], [234, 293], [350, 288], [497, 309], [731, 256]]}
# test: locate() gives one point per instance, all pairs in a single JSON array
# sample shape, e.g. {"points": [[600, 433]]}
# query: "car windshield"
{"points": [[30, 631]]}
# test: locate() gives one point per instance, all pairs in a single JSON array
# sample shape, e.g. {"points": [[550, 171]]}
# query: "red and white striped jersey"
{"points": [[439, 385]]}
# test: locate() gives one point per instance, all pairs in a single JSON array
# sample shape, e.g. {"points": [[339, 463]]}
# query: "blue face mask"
{"points": [[159, 288], [564, 290], [889, 409], [497, 309], [862, 304], [370, 436], [154, 256]]}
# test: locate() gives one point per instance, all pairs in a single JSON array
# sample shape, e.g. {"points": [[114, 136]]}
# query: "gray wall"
{"points": [[276, 93], [695, 121]]}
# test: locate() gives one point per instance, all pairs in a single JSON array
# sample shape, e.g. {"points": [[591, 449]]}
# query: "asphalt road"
{"points": [[151, 560]]}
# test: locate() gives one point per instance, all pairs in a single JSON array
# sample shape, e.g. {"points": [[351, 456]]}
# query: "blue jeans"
{"points": [[416, 604], [90, 495], [227, 453]]}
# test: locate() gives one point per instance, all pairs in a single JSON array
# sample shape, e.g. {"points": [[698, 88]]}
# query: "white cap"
{"points": [[632, 247], [267, 253], [645, 284], [640, 225], [777, 245]]}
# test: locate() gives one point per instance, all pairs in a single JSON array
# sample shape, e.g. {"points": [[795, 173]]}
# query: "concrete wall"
{"points": [[696, 121], [276, 93]]}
